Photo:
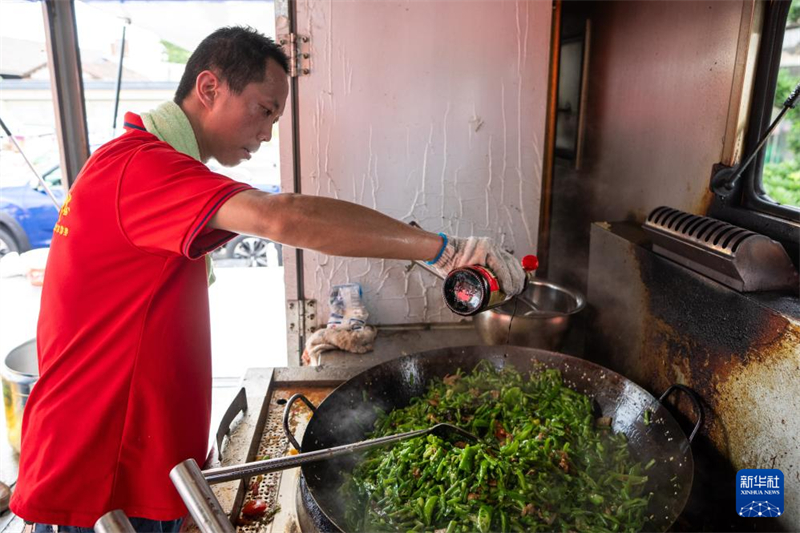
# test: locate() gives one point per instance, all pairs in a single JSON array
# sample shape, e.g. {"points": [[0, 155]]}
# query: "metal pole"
{"points": [[30, 165], [119, 78], [63, 54], [114, 522], [199, 499], [548, 166]]}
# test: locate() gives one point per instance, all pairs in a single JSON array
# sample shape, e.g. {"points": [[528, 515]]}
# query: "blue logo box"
{"points": [[759, 493]]}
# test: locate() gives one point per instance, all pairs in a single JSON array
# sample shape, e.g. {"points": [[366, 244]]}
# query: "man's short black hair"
{"points": [[236, 54]]}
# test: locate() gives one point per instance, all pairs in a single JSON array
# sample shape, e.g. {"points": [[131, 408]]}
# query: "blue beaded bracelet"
{"points": [[441, 250]]}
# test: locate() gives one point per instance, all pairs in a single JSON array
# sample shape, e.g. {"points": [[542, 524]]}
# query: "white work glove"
{"points": [[482, 251]]}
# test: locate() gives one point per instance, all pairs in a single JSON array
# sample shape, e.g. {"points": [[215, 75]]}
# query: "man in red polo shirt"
{"points": [[123, 336]]}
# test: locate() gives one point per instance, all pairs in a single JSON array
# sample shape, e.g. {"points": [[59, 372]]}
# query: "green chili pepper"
{"points": [[510, 449], [430, 506], [485, 519], [467, 457], [503, 522], [512, 396], [482, 470]]}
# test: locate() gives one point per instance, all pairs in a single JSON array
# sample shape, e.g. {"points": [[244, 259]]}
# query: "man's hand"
{"points": [[482, 251]]}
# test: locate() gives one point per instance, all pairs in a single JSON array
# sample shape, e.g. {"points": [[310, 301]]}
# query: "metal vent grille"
{"points": [[737, 257], [720, 236]]}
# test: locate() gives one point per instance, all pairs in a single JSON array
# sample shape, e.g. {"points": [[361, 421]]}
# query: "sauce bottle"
{"points": [[472, 289]]}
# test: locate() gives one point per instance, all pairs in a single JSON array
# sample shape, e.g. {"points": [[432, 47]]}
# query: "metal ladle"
{"points": [[246, 470]]}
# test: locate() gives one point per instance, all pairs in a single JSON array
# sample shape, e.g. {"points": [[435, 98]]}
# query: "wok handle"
{"points": [[695, 400], [288, 410]]}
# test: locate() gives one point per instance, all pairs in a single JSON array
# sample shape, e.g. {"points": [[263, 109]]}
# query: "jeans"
{"points": [[140, 525]]}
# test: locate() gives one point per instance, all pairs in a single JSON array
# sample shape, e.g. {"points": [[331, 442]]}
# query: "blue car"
{"points": [[28, 215]]}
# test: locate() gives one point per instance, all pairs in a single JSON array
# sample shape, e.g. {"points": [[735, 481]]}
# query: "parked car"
{"points": [[248, 250], [27, 214]]}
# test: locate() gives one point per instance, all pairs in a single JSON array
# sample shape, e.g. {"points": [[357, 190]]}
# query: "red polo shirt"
{"points": [[123, 337]]}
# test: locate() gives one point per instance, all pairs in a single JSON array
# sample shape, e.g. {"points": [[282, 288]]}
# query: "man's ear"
{"points": [[207, 87]]}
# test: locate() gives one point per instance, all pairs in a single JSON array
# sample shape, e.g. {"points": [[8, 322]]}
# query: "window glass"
{"points": [[781, 177], [156, 51], [27, 214], [247, 299]]}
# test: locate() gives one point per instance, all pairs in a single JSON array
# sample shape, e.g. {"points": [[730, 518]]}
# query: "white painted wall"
{"points": [[430, 111]]}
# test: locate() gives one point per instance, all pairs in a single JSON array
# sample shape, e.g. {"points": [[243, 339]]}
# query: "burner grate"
{"points": [[274, 443]]}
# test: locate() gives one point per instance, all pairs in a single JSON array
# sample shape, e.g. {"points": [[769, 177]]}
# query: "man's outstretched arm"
{"points": [[327, 225], [336, 227]]}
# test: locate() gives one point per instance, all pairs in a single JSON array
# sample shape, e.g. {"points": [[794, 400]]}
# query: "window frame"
{"points": [[747, 205]]}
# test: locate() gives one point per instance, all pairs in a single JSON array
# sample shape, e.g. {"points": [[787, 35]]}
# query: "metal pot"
{"points": [[516, 324], [19, 372]]}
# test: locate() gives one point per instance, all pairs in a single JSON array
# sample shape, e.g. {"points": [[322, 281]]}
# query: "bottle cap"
{"points": [[530, 263]]}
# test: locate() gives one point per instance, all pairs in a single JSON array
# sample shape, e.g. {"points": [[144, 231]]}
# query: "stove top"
{"points": [[259, 434]]}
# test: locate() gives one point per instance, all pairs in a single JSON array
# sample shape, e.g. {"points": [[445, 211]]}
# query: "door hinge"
{"points": [[301, 322], [298, 48]]}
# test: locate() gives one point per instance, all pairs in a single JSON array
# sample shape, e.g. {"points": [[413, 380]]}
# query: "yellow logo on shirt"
{"points": [[61, 229]]}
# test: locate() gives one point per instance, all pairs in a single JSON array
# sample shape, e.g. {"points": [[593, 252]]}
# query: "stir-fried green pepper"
{"points": [[485, 519], [543, 462]]}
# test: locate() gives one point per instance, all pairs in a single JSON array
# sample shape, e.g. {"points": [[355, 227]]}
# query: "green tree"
{"points": [[781, 176], [794, 14], [174, 53]]}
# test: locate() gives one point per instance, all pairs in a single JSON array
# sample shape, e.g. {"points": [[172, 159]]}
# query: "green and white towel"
{"points": [[169, 123]]}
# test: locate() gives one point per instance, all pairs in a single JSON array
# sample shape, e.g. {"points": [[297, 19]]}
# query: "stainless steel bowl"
{"points": [[19, 372], [543, 329]]}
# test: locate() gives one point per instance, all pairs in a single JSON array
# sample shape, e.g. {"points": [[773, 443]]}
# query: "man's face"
{"points": [[237, 124]]}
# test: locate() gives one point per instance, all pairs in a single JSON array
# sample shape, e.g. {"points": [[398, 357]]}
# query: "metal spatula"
{"points": [[246, 470]]}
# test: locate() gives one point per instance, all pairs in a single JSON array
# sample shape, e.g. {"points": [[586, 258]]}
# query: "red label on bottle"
{"points": [[494, 285]]}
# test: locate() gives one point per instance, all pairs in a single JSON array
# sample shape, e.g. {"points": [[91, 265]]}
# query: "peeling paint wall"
{"points": [[659, 323], [425, 111]]}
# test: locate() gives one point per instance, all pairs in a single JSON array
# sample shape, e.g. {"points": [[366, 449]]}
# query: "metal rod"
{"points": [[548, 164], [119, 78], [419, 326], [30, 165], [732, 182], [297, 175], [247, 470], [199, 499], [114, 522], [583, 98], [428, 268], [790, 103]]}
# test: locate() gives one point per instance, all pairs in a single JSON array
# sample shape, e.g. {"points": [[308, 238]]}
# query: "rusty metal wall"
{"points": [[659, 323]]}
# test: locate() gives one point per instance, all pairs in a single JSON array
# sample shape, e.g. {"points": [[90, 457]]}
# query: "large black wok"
{"points": [[348, 414]]}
